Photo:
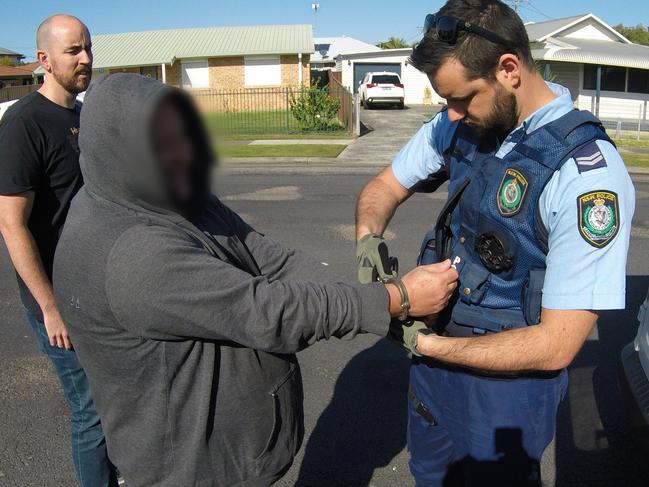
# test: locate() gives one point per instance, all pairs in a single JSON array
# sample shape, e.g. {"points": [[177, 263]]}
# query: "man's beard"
{"points": [[502, 119], [72, 83]]}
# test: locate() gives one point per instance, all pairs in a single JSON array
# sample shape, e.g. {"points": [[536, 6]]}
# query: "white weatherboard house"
{"points": [[576, 51], [572, 51]]}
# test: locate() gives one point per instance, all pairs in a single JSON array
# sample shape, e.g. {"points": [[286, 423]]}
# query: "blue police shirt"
{"points": [[579, 275]]}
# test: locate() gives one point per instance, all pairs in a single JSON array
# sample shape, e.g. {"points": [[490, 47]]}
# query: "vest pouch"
{"points": [[533, 296], [427, 253], [474, 277], [479, 320]]}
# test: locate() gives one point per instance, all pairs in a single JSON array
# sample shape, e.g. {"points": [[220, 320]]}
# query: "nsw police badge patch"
{"points": [[599, 217], [511, 192]]}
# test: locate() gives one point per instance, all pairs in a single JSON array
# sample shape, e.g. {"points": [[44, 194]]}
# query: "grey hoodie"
{"points": [[188, 329]]}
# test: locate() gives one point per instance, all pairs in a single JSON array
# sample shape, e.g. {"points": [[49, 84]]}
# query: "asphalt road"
{"points": [[355, 390]]}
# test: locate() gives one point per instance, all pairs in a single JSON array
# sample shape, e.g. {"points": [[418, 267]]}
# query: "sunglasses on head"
{"points": [[447, 29]]}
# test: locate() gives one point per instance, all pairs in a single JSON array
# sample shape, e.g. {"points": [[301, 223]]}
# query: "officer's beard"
{"points": [[502, 119]]}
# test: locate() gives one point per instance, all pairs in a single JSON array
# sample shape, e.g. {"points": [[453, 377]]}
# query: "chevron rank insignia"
{"points": [[589, 157], [599, 217]]}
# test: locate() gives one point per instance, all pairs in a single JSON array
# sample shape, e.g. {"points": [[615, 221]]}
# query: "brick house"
{"points": [[211, 58]]}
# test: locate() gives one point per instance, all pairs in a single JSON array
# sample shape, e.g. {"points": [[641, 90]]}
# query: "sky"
{"points": [[368, 20]]}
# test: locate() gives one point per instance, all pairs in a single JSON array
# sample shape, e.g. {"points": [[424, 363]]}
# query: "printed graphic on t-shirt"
{"points": [[73, 139]]}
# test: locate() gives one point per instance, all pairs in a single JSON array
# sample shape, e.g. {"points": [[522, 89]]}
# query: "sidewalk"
{"points": [[357, 155], [637, 170], [328, 165]]}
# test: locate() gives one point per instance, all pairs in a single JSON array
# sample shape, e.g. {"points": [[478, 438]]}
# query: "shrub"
{"points": [[314, 109]]}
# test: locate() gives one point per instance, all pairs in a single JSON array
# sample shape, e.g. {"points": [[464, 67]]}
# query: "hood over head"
{"points": [[117, 158]]}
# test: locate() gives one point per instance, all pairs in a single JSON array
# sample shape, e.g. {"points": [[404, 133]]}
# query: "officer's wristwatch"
{"points": [[403, 292]]}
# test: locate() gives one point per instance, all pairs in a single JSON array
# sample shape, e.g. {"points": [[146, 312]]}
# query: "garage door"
{"points": [[360, 69]]}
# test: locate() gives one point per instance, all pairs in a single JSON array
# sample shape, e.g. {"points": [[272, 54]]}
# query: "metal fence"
{"points": [[259, 111], [627, 129], [254, 111], [623, 118], [9, 93]]}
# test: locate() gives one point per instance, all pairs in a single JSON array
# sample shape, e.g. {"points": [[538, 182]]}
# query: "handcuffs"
{"points": [[376, 265]]}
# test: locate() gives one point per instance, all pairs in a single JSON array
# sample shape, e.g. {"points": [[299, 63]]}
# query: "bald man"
{"points": [[39, 175]]}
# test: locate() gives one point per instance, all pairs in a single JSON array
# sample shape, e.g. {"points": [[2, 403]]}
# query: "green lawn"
{"points": [[284, 150], [339, 134], [632, 142], [260, 125], [637, 160]]}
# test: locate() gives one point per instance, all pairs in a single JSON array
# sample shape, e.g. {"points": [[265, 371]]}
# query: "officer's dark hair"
{"points": [[478, 55]]}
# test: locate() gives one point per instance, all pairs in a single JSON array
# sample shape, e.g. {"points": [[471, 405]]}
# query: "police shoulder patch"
{"points": [[598, 217], [589, 157], [511, 192]]}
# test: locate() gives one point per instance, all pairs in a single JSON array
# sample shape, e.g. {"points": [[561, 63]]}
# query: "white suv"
{"points": [[634, 376], [381, 88]]}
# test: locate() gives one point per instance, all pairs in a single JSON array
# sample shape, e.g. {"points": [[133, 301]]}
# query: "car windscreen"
{"points": [[386, 79]]}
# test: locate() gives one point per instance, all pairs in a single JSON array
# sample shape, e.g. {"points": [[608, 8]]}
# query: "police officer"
{"points": [[537, 224]]}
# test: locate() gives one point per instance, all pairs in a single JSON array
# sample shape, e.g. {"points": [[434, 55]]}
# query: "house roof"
{"points": [[549, 43], [164, 46], [591, 51], [401, 51], [31, 67], [541, 31], [21, 71], [9, 52], [328, 48]]}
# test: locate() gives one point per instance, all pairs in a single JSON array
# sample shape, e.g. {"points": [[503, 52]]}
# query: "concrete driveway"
{"points": [[386, 131]]}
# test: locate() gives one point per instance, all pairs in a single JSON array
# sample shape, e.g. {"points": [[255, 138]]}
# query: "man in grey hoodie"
{"points": [[186, 319]]}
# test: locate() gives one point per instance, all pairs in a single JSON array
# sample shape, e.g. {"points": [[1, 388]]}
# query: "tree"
{"points": [[393, 43], [638, 34]]}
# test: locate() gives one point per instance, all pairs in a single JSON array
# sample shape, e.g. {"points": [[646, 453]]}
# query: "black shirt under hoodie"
{"points": [[39, 152], [188, 329]]}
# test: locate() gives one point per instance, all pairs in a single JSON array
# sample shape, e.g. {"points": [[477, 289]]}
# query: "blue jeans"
{"points": [[477, 430], [88, 444]]}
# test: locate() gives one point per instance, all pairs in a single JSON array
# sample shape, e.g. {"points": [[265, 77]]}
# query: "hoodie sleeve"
{"points": [[162, 285], [276, 261]]}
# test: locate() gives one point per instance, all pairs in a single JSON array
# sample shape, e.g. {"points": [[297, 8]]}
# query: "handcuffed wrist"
{"points": [[403, 294]]}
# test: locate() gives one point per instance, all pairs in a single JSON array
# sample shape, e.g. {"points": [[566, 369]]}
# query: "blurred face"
{"points": [[485, 105], [174, 149], [67, 54]]}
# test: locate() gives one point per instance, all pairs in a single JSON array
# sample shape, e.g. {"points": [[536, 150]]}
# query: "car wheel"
{"points": [[401, 106], [368, 105]]}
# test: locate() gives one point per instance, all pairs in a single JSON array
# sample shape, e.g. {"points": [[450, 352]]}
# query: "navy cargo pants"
{"points": [[476, 430]]}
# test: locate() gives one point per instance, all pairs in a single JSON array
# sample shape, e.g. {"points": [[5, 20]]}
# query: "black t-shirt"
{"points": [[39, 152]]}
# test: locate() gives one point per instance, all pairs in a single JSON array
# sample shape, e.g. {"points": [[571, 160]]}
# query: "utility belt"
{"points": [[466, 314]]}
